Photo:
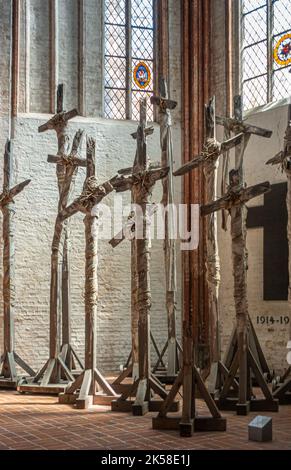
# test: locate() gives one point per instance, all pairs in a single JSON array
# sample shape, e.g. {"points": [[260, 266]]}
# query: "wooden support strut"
{"points": [[9, 377], [244, 362], [282, 388], [172, 346], [57, 372], [144, 180]]}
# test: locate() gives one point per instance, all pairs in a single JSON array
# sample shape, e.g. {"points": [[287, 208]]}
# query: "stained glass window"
{"points": [[129, 57], [264, 24]]}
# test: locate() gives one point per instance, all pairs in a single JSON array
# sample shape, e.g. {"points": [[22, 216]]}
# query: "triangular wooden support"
{"points": [[190, 380], [243, 355], [218, 373]]}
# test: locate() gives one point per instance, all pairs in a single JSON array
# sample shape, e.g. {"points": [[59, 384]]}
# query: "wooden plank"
{"points": [[205, 395], [59, 159], [259, 376], [165, 408], [48, 372]]}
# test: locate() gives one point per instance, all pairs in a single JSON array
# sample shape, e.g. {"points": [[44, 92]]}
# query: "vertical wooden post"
{"points": [[9, 377], [8, 258]]}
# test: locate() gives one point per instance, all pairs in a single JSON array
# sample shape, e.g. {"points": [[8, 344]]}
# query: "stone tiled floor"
{"points": [[38, 422]]}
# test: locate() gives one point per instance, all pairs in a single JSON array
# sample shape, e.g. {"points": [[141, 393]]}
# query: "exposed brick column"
{"points": [[196, 80]]}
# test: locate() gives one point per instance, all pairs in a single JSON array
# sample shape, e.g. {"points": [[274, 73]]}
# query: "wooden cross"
{"points": [[283, 159], [90, 387], [234, 201], [143, 180], [131, 366], [212, 149], [165, 105], [237, 125], [189, 377], [8, 375], [58, 368]]}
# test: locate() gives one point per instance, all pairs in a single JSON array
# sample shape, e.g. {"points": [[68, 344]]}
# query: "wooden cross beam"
{"points": [[211, 151], [9, 377], [165, 105], [59, 121], [234, 201], [143, 180], [283, 159], [237, 125]]}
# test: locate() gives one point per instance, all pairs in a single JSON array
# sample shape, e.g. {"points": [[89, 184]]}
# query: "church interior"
{"points": [[145, 235]]}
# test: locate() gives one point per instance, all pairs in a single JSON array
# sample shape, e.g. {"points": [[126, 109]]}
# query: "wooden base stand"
{"points": [[167, 374], [185, 423], [71, 359], [227, 397], [48, 379], [219, 370], [90, 388], [143, 391], [9, 377], [282, 391], [119, 386]]}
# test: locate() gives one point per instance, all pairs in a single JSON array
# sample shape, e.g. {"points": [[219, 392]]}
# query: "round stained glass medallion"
{"points": [[282, 51], [142, 75]]}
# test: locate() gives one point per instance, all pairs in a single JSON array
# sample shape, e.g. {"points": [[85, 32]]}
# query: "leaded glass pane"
{"points": [[115, 11], [282, 16], [255, 26], [142, 13], [115, 40], [255, 92], [282, 83], [142, 43], [136, 97], [114, 104], [115, 72], [255, 60], [249, 5]]}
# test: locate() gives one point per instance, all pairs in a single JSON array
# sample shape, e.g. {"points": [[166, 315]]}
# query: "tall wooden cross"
{"points": [[90, 387], [244, 362], [9, 377], [283, 159], [57, 371], [209, 158], [237, 125], [172, 346], [144, 179]]}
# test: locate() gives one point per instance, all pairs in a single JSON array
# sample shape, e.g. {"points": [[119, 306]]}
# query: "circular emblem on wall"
{"points": [[142, 75], [282, 51]]}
